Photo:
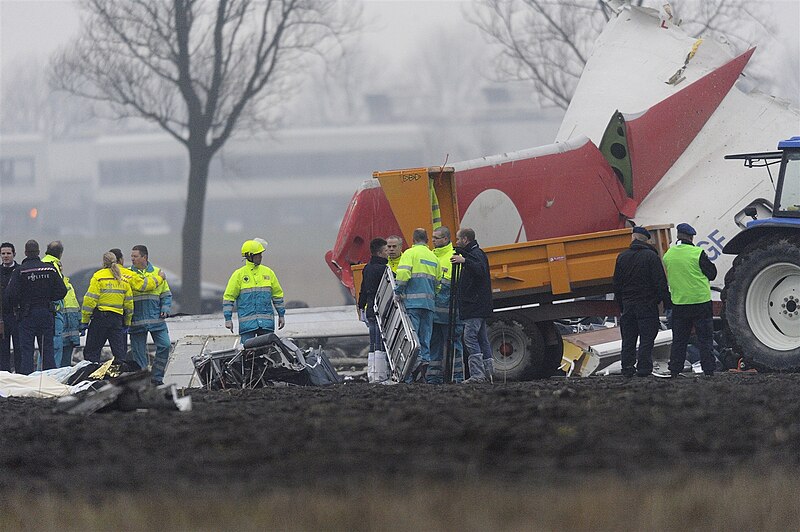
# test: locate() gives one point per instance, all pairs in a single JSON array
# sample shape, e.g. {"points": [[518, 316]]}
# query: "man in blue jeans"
{"points": [[418, 278], [475, 304]]}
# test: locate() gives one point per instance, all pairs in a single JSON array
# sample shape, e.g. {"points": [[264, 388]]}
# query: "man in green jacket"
{"points": [[689, 272]]}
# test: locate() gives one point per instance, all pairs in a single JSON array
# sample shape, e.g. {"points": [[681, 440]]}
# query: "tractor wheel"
{"points": [[761, 304], [522, 349]]}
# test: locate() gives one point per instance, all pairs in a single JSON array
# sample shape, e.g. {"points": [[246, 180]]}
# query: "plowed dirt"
{"points": [[534, 434]]}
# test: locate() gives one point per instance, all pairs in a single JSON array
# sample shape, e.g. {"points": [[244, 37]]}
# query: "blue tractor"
{"points": [[761, 298]]}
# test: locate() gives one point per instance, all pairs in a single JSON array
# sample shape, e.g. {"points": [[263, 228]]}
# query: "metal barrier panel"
{"points": [[401, 340]]}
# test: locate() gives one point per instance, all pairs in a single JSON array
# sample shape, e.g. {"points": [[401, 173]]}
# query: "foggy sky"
{"points": [[393, 28]]}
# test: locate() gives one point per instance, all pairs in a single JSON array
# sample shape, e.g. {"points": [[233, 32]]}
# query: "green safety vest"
{"points": [[688, 285]]}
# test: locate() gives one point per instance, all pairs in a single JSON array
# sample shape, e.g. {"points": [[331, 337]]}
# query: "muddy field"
{"points": [[506, 455]]}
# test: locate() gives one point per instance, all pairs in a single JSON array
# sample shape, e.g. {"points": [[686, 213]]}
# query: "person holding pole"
{"points": [[447, 328]]}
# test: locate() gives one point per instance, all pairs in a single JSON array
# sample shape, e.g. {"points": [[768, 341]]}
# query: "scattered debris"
{"points": [[264, 361], [130, 391]]}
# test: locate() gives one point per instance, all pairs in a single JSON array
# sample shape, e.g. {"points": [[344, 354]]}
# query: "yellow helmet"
{"points": [[251, 247]]}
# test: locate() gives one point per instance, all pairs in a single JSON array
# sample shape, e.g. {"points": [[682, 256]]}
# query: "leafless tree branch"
{"points": [[548, 42], [200, 70]]}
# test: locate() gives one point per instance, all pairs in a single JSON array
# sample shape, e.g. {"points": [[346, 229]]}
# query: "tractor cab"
{"points": [[787, 196], [786, 207]]}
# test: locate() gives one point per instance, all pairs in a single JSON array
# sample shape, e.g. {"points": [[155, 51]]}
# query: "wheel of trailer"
{"points": [[762, 304], [519, 348]]}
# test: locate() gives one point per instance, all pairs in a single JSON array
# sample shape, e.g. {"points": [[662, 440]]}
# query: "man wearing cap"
{"points": [[639, 286], [689, 272], [255, 290], [34, 287]]}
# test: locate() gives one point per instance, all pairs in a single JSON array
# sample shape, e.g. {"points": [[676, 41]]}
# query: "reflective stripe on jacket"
{"points": [[50, 259], [393, 263], [254, 289], [418, 276], [72, 322], [150, 301], [107, 294], [443, 295], [72, 314], [142, 281]]}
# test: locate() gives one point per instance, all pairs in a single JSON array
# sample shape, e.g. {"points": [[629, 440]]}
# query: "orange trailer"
{"points": [[533, 282]]}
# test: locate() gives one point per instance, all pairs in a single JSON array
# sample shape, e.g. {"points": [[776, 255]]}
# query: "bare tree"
{"points": [[201, 70], [548, 42], [28, 105]]}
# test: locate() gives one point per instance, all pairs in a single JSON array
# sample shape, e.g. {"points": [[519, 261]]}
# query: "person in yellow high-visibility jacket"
{"points": [[107, 311], [418, 278], [55, 250], [70, 336], [142, 281], [255, 291]]}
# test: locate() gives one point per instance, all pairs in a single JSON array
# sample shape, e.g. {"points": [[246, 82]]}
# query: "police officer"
{"points": [[35, 287], [418, 278], [256, 291], [689, 272], [639, 286]]}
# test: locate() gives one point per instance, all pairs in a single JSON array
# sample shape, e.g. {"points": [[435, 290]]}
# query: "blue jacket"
{"points": [[442, 314], [254, 289], [149, 304]]}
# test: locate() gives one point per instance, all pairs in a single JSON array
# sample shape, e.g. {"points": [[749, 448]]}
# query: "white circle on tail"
{"points": [[495, 219]]}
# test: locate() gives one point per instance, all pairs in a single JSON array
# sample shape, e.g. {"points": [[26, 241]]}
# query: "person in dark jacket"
{"points": [[8, 320], [377, 364], [474, 304], [640, 284], [689, 272], [35, 287]]}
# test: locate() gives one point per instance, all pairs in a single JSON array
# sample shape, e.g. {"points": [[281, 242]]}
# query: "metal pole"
{"points": [[449, 358]]}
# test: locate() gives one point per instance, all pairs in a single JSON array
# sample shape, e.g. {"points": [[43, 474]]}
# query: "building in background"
{"points": [[291, 186]]}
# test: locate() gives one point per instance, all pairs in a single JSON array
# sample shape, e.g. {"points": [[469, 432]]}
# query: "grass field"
{"points": [[747, 500]]}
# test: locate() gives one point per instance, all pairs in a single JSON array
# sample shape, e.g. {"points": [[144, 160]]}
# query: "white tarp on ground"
{"points": [[47, 383], [38, 385]]}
